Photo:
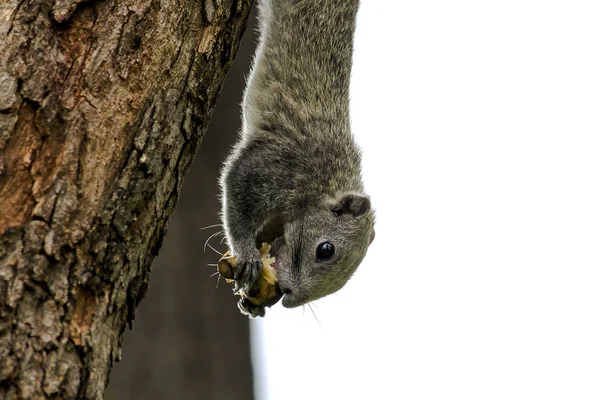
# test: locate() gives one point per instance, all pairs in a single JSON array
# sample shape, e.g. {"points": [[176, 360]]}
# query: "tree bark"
{"points": [[102, 107], [190, 341]]}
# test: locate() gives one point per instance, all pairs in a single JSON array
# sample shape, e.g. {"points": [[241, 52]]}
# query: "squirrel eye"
{"points": [[325, 251]]}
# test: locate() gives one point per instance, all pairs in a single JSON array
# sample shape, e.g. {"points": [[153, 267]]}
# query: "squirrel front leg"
{"points": [[243, 214]]}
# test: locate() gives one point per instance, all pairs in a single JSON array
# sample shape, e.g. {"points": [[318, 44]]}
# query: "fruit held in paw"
{"points": [[265, 292]]}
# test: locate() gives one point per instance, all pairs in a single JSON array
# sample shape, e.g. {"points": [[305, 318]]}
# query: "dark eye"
{"points": [[325, 251]]}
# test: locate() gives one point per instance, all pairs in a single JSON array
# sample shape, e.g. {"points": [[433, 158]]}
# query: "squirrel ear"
{"points": [[352, 203]]}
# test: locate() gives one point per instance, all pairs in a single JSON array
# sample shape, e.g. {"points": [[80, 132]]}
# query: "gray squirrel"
{"points": [[294, 177]]}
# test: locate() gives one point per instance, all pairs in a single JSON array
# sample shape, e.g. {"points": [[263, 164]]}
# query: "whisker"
{"points": [[213, 249], [218, 280], [212, 265], [314, 315], [210, 237], [210, 226]]}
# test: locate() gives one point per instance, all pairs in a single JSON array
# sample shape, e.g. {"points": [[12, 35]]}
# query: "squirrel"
{"points": [[294, 177]]}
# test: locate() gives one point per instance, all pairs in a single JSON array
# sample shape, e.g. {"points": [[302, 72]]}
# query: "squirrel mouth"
{"points": [[272, 233], [275, 247]]}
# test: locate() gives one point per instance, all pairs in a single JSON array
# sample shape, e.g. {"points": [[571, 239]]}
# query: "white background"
{"points": [[480, 123]]}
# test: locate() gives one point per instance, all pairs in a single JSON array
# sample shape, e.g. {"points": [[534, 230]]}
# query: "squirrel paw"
{"points": [[252, 310], [248, 270]]}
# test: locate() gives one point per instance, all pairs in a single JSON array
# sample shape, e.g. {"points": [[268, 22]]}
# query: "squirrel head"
{"points": [[322, 246]]}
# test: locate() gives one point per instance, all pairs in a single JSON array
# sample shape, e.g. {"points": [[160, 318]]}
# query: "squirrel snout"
{"points": [[287, 291]]}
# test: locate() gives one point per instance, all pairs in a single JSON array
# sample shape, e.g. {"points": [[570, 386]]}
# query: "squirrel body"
{"points": [[294, 177]]}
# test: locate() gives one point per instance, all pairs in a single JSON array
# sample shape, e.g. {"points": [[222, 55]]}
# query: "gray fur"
{"points": [[296, 159]]}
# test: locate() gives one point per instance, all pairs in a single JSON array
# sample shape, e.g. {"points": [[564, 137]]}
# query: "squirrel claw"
{"points": [[252, 310], [247, 272]]}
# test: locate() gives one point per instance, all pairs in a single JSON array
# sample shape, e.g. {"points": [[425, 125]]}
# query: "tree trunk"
{"points": [[190, 341], [102, 107]]}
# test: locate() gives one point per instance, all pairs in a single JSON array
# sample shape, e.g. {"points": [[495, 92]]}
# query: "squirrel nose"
{"points": [[286, 291]]}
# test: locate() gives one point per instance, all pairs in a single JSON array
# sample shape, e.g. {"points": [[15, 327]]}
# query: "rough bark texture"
{"points": [[102, 107], [190, 342]]}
